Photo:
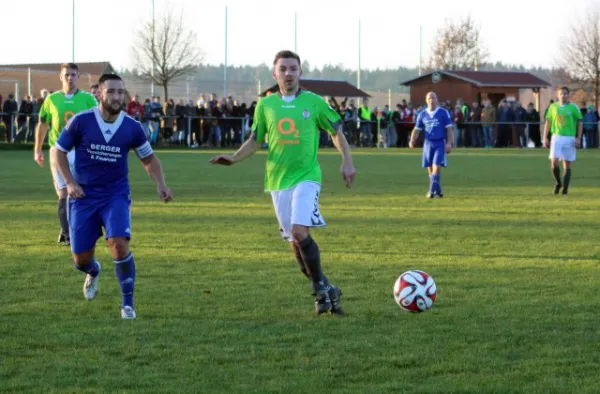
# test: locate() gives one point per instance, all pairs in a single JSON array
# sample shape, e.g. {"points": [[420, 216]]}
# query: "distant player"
{"points": [[99, 188], [565, 121], [95, 90], [290, 120], [56, 111], [437, 124]]}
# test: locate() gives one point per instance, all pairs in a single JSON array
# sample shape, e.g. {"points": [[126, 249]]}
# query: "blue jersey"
{"points": [[101, 149], [434, 123]]}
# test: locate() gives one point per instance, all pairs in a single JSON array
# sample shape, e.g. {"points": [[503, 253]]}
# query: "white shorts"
{"points": [[562, 148], [297, 205], [59, 182]]}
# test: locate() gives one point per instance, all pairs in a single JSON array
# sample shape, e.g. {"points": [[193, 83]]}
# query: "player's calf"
{"points": [[556, 174]]}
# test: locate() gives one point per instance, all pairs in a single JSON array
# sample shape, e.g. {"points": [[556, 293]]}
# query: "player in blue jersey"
{"points": [[99, 188], [436, 122]]}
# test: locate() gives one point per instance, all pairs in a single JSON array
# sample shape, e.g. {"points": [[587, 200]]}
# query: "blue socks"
{"points": [[92, 268], [125, 270], [434, 184]]}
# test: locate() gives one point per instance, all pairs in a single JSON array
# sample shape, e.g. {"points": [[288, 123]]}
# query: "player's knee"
{"points": [[299, 233], [81, 259], [61, 193], [119, 247]]}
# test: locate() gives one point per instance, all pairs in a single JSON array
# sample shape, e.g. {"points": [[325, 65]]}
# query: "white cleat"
{"points": [[91, 285], [127, 313]]}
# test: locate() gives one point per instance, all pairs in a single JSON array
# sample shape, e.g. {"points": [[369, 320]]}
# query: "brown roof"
{"points": [[326, 87], [491, 78], [94, 68]]}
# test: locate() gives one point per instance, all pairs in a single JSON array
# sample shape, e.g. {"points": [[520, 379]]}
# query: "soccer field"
{"points": [[222, 306]]}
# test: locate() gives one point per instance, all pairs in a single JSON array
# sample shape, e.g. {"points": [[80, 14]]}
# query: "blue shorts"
{"points": [[434, 153], [88, 215]]}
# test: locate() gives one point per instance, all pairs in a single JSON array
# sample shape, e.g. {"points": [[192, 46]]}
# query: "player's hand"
{"points": [[411, 144], [448, 147], [165, 194], [348, 172], [39, 158], [224, 160], [546, 145], [578, 143], [75, 191]]}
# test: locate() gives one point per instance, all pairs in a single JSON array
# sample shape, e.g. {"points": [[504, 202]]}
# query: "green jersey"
{"points": [[563, 119], [292, 131], [58, 109]]}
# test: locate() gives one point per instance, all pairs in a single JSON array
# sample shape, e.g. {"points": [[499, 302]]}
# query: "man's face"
{"points": [[112, 95], [69, 78], [96, 92], [563, 96], [287, 73], [431, 100]]}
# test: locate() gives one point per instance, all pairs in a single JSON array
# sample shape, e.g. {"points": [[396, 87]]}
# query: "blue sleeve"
{"points": [[70, 136], [140, 142], [447, 119], [420, 125]]}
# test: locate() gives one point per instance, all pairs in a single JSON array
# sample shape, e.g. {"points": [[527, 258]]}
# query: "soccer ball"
{"points": [[415, 291]]}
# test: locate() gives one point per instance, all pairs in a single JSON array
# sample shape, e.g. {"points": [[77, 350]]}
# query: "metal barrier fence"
{"points": [[208, 130]]}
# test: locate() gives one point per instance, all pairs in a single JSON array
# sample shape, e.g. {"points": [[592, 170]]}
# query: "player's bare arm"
{"points": [[449, 138], [546, 129], [246, 150], [413, 137], [348, 170], [41, 129], [74, 190], [154, 169]]}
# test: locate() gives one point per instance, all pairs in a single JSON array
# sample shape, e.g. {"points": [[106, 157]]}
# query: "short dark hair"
{"points": [[94, 86], [565, 88], [286, 54], [69, 66], [109, 77]]}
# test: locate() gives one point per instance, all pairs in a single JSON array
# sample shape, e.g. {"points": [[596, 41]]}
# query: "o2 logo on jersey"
{"points": [[68, 115], [561, 120], [287, 127]]}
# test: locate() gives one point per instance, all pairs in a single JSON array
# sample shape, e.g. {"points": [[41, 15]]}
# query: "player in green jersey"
{"points": [[57, 109], [565, 120], [291, 121]]}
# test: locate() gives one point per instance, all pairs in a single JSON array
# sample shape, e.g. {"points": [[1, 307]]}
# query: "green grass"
{"points": [[222, 306]]}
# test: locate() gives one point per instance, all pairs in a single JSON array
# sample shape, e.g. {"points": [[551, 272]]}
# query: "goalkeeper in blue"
{"points": [[98, 187], [436, 122]]}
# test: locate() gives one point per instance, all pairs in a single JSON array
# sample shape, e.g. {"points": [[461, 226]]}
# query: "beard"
{"points": [[112, 107], [289, 85]]}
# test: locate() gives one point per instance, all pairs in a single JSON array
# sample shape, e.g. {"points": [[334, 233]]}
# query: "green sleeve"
{"points": [[44, 114], [578, 114], [329, 119], [550, 114], [259, 124], [92, 101]]}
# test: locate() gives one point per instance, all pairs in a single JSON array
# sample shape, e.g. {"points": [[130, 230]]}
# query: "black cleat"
{"points": [[334, 296], [557, 188], [322, 302], [63, 238], [565, 191]]}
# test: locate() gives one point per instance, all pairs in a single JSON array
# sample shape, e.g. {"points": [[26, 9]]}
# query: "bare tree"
{"points": [[458, 46], [167, 46], [580, 55]]}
